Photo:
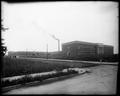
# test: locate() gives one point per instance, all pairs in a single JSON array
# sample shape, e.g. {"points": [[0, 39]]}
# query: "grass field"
{"points": [[14, 67], [17, 66]]}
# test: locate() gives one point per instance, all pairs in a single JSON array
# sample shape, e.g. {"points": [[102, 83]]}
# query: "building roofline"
{"points": [[108, 45], [81, 42], [88, 43]]}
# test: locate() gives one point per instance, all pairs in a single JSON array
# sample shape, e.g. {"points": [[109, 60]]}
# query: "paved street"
{"points": [[101, 80]]}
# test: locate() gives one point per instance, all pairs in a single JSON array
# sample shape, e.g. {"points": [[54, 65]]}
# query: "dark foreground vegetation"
{"points": [[16, 66], [28, 78]]}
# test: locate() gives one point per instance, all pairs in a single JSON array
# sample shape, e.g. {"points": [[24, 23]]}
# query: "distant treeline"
{"points": [[60, 55]]}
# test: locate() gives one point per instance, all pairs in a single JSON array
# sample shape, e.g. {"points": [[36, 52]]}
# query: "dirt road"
{"points": [[101, 80]]}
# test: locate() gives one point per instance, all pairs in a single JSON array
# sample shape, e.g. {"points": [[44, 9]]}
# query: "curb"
{"points": [[37, 83]]}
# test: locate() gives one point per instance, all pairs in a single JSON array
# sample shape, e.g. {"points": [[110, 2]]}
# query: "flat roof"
{"points": [[82, 42], [88, 43]]}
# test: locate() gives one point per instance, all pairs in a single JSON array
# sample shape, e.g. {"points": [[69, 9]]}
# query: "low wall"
{"points": [[37, 83]]}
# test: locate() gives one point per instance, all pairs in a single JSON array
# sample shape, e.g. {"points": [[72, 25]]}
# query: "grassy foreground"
{"points": [[16, 66]]}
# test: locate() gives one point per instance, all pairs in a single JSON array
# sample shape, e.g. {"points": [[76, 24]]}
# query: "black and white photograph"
{"points": [[59, 47]]}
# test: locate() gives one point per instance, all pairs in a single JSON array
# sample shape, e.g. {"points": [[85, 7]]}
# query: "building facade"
{"points": [[86, 50]]}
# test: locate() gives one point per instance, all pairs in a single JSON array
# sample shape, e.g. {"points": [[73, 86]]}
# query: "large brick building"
{"points": [[85, 50], [73, 50]]}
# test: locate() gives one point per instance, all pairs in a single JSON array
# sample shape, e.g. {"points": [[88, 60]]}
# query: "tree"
{"points": [[3, 47]]}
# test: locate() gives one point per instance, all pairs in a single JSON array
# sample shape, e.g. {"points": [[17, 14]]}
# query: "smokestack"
{"points": [[53, 36]]}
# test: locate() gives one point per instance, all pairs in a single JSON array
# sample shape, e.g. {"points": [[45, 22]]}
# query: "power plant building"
{"points": [[78, 49]]}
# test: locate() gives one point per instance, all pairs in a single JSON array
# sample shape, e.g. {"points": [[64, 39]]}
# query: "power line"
{"points": [[51, 35]]}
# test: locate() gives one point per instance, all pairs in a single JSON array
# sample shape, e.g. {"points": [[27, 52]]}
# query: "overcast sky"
{"points": [[31, 23]]}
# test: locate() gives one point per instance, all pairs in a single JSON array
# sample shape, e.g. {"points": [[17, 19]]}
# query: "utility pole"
{"points": [[47, 52], [26, 52], [58, 45]]}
